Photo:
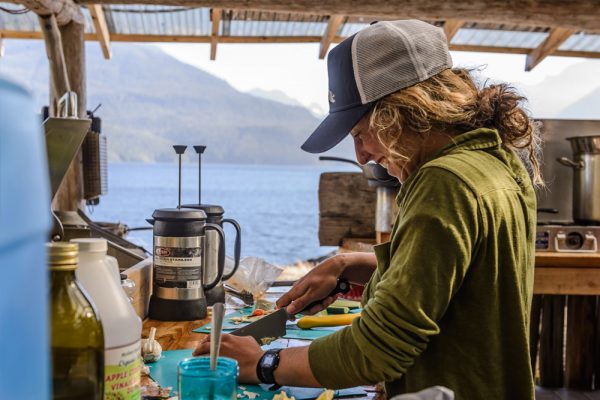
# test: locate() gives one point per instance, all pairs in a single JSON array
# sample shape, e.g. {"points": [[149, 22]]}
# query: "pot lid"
{"points": [[585, 144], [212, 210], [178, 213]]}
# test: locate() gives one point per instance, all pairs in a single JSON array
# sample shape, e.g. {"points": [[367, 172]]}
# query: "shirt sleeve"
{"points": [[430, 253]]}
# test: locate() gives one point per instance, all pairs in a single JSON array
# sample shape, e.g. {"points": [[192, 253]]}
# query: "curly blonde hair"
{"points": [[452, 102]]}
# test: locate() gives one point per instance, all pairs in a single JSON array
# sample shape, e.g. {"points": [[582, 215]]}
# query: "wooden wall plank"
{"points": [[579, 360], [551, 341], [346, 207]]}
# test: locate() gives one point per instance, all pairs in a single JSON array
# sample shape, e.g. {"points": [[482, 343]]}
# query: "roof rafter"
{"points": [[451, 26], [582, 14], [334, 23], [215, 16], [556, 37], [101, 28]]}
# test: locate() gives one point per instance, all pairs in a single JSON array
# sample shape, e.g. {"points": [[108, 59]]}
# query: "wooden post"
{"points": [[70, 193], [551, 341], [56, 58], [579, 362]]}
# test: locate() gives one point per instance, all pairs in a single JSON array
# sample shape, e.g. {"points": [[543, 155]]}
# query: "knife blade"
{"points": [[269, 326], [273, 326]]}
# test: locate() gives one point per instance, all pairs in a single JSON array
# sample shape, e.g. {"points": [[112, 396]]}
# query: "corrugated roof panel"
{"points": [[159, 20], [276, 28], [89, 24], [18, 22], [499, 38], [582, 42], [349, 29]]}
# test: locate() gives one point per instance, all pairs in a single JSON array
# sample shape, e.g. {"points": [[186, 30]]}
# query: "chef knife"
{"points": [[273, 326]]}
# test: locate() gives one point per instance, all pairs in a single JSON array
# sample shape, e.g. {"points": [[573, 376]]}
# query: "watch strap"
{"points": [[265, 372]]}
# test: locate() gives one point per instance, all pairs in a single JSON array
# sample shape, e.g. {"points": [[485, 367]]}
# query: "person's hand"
{"points": [[244, 349], [314, 286]]}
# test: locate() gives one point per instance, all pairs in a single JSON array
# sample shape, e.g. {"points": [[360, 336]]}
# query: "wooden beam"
{"points": [[577, 14], [334, 23], [451, 26], [56, 56], [215, 16], [11, 34], [101, 28], [65, 11], [556, 37]]}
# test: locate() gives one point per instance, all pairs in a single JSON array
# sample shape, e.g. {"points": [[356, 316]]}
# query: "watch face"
{"points": [[268, 360]]}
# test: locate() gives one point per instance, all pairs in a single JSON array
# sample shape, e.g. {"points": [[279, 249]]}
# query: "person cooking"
{"points": [[447, 300]]}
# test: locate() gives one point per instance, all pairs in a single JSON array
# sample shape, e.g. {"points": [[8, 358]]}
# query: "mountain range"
{"points": [[149, 101]]}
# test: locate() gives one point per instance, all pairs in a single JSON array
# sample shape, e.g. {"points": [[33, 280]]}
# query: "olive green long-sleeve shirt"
{"points": [[449, 301]]}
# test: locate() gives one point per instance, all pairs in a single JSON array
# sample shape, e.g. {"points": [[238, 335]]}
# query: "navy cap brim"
{"points": [[334, 128]]}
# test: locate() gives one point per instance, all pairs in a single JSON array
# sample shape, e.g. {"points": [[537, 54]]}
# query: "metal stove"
{"points": [[567, 238]]}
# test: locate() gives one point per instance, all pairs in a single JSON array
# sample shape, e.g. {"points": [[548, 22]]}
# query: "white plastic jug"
{"points": [[24, 225], [122, 326]]}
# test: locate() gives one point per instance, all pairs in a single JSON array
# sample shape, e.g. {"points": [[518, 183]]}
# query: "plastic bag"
{"points": [[254, 275]]}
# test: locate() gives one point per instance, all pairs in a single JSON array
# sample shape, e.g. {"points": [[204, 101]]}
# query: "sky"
{"points": [[296, 69]]}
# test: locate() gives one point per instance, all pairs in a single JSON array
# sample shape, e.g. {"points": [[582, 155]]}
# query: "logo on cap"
{"points": [[331, 97]]}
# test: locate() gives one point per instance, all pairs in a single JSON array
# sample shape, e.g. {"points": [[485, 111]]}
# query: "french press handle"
{"points": [[238, 247], [221, 262]]}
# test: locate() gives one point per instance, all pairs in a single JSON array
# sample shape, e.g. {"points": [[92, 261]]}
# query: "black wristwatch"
{"points": [[268, 363]]}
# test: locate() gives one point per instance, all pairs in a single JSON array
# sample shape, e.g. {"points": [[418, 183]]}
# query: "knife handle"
{"points": [[343, 286]]}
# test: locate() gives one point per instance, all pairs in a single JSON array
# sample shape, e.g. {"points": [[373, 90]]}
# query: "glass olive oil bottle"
{"points": [[76, 332]]}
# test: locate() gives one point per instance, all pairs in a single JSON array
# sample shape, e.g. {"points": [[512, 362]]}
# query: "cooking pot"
{"points": [[586, 177]]}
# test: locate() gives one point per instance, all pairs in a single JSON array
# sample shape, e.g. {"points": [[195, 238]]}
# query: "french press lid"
{"points": [[178, 213], [211, 210]]}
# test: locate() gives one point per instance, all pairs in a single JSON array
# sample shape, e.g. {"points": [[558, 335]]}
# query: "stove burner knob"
{"points": [[574, 240]]}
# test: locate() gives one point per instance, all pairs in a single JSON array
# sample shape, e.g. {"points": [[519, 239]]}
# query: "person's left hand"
{"points": [[244, 349]]}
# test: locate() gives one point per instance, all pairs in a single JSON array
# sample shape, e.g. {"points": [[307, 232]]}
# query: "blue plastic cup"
{"points": [[196, 381]]}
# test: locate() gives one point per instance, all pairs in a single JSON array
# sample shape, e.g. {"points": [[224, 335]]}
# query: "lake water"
{"points": [[276, 206]]}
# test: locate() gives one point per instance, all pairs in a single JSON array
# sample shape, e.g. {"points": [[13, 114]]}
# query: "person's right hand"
{"points": [[314, 286]]}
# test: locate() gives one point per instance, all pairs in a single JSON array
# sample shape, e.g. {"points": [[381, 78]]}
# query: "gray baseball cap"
{"points": [[379, 60]]}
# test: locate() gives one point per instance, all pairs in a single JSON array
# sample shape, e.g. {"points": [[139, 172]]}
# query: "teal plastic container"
{"points": [[24, 224], [196, 381]]}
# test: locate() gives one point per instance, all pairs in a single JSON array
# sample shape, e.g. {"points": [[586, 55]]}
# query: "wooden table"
{"points": [[175, 335], [179, 335], [565, 284]]}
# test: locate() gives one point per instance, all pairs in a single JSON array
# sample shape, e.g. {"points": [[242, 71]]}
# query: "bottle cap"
{"points": [[91, 245], [62, 256]]}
